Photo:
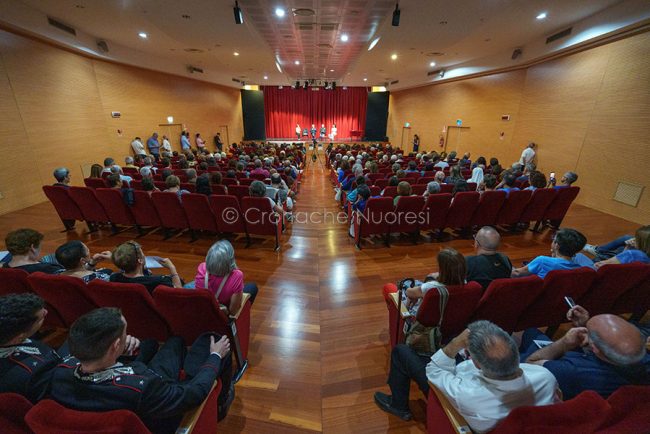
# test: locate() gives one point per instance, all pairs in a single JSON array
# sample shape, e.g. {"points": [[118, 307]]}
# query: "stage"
{"points": [[278, 141]]}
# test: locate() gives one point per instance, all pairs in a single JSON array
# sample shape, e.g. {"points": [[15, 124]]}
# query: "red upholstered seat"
{"points": [[13, 281], [137, 306], [513, 206], [505, 300], [390, 191], [199, 214], [227, 213], [375, 191], [418, 189], [372, 177], [550, 308], [612, 282], [218, 189], [69, 295], [426, 179], [381, 183], [539, 202], [257, 176], [66, 208], [13, 408], [246, 181], [261, 219], [230, 181], [95, 182], [239, 191], [461, 209], [630, 411], [113, 202], [90, 207], [144, 211], [636, 300], [446, 188], [558, 208], [373, 220], [488, 208], [408, 215], [436, 209], [170, 210]]}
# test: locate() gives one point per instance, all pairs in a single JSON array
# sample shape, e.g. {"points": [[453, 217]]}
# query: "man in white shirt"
{"points": [[483, 389], [166, 146], [138, 147], [527, 155]]}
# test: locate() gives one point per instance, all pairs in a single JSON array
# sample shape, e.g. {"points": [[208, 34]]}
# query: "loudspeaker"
{"points": [[102, 46], [239, 16], [396, 14], [252, 104], [377, 116]]}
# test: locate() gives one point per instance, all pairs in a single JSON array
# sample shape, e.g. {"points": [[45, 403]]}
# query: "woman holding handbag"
{"points": [[219, 275]]}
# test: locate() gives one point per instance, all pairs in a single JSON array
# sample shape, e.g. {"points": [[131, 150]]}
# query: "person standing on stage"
{"points": [[313, 131], [333, 132], [298, 131], [416, 143], [323, 131]]}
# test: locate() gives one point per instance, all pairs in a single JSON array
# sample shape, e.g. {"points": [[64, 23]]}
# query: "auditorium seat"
{"points": [[239, 191], [375, 191], [390, 192], [65, 207], [229, 181], [436, 208], [372, 177], [144, 212], [170, 210], [113, 202], [446, 188], [90, 207], [137, 305], [488, 208], [227, 213], [539, 202], [630, 411], [635, 301], [426, 179], [69, 295], [13, 408], [408, 215], [418, 189], [558, 208], [374, 220], [461, 209], [188, 186], [199, 214], [513, 206], [136, 184], [218, 189], [381, 183], [611, 283], [13, 281], [95, 183], [261, 219]]}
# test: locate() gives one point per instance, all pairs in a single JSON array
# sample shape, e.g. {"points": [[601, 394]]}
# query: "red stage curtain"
{"points": [[286, 107]]}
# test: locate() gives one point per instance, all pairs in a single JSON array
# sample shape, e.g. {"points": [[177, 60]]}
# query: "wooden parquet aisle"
{"points": [[319, 338]]}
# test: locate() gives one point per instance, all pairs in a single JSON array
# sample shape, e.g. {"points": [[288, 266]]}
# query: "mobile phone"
{"points": [[570, 302], [541, 344], [552, 175]]}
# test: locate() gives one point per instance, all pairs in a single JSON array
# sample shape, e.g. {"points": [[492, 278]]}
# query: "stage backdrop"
{"points": [[286, 107]]}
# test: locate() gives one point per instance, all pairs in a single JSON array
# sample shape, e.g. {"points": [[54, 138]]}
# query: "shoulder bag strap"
{"points": [[221, 285], [444, 297]]}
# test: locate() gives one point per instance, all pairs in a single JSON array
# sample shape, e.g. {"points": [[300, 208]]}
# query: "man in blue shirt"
{"points": [[600, 354], [154, 146], [185, 141], [566, 180], [566, 244]]}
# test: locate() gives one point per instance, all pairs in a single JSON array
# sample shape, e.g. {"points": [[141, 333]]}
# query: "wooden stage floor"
{"points": [[319, 339]]}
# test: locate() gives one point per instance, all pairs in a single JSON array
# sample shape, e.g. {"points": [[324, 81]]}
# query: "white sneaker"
{"points": [[591, 249]]}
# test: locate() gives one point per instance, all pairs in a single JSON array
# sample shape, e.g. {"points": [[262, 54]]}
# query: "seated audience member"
{"points": [[26, 365], [565, 245], [191, 176], [166, 173], [128, 162], [480, 161], [92, 379], [285, 196], [108, 164], [403, 189], [489, 183], [259, 170], [412, 167], [400, 174], [115, 182], [508, 183], [566, 180], [477, 176], [537, 180], [459, 187], [62, 176], [258, 189], [432, 188], [216, 178], [454, 175], [130, 259], [623, 250], [484, 389], [439, 163], [440, 177], [203, 185], [173, 184], [232, 175], [219, 275], [488, 264], [495, 167], [148, 162], [24, 245], [146, 172], [148, 186], [96, 171], [601, 354], [117, 170], [465, 161], [75, 257]]}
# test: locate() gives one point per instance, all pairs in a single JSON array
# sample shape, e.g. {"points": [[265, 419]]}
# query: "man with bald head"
{"points": [[601, 354], [488, 264]]}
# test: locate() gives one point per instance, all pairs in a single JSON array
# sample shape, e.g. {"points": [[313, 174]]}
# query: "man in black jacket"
{"points": [[92, 378], [488, 264]]}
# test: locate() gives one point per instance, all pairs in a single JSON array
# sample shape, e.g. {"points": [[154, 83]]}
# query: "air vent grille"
{"points": [[329, 27], [59, 25], [629, 194], [559, 35], [305, 27]]}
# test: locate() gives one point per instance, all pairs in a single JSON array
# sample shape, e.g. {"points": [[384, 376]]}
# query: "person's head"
{"points": [[21, 315], [146, 172], [396, 167], [481, 160], [154, 135], [455, 172], [99, 334], [147, 184], [531, 145], [114, 180], [403, 189], [108, 162], [517, 167], [217, 178], [452, 155], [492, 350], [494, 161], [567, 242], [183, 164], [220, 259], [258, 164], [452, 268], [363, 191], [413, 165], [128, 257], [393, 181], [128, 160], [460, 186], [615, 340], [487, 239], [172, 181], [509, 180], [373, 167], [62, 175], [345, 165], [191, 174], [166, 173], [433, 187], [24, 242], [231, 174], [569, 178], [440, 176], [257, 189], [490, 182], [72, 254], [96, 171], [537, 179], [203, 185], [276, 179], [642, 239]]}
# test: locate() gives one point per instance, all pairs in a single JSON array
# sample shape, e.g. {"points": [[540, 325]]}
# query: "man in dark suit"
{"points": [[92, 378]]}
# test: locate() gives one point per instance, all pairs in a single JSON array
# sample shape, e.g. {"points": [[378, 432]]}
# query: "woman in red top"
{"points": [[219, 275]]}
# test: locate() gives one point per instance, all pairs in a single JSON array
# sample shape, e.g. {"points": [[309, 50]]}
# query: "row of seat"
{"points": [[196, 212], [519, 303], [463, 210]]}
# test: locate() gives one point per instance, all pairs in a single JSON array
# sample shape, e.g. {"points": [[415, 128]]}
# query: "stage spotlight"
{"points": [[239, 16], [396, 14], [442, 73]]}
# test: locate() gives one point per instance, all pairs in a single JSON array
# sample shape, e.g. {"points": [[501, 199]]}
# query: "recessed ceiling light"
{"points": [[344, 37], [373, 43], [331, 70], [279, 12], [143, 35], [432, 64], [365, 79], [541, 16], [235, 53], [443, 22], [187, 17], [393, 56], [266, 77], [297, 62]]}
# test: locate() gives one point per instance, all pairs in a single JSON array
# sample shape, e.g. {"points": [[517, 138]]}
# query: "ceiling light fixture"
{"points": [[331, 70], [266, 77], [344, 37], [393, 56], [396, 14], [432, 64], [279, 12], [235, 53], [143, 35], [365, 79], [297, 62], [277, 65], [239, 16], [373, 43], [541, 16]]}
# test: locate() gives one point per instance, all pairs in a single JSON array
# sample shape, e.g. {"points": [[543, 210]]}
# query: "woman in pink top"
{"points": [[219, 265]]}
